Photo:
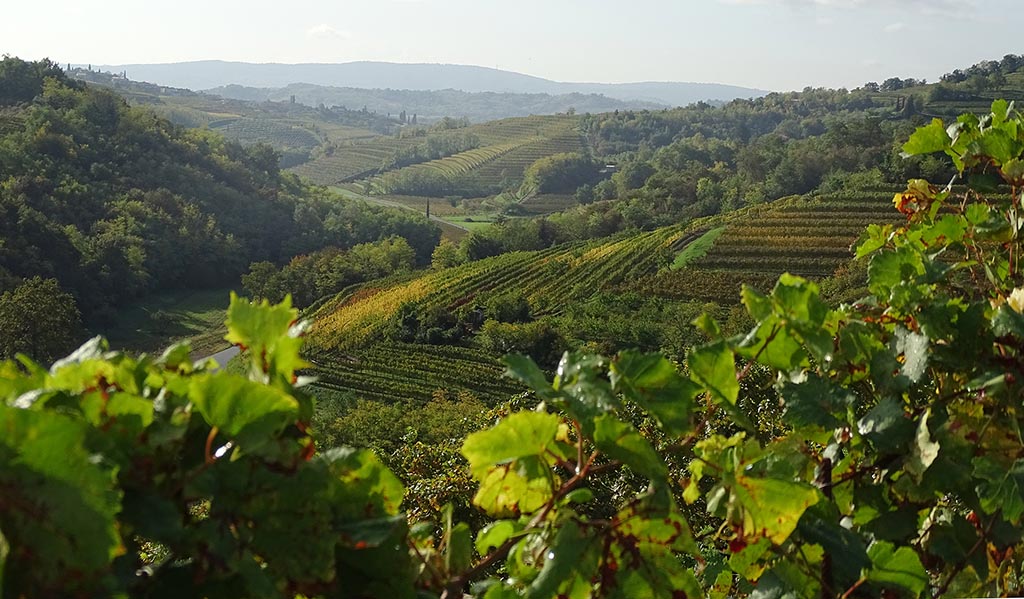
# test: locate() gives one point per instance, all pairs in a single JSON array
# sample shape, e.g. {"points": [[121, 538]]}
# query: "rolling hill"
{"points": [[431, 105], [383, 75], [350, 338]]}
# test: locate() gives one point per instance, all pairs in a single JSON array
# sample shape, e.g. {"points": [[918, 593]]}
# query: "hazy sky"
{"points": [[770, 44]]}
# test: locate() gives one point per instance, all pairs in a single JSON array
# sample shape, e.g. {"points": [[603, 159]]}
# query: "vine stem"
{"points": [[941, 590], [853, 588], [209, 444]]}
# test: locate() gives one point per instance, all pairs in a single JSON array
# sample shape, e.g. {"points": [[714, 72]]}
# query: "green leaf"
{"points": [[652, 571], [650, 524], [60, 504], [653, 382], [495, 534], [955, 541], [772, 507], [5, 549], [1000, 111], [815, 402], [511, 490], [361, 485], [925, 450], [500, 590], [747, 562], [886, 426], [896, 567], [874, 238], [122, 406], [511, 461], [579, 496], [1008, 321], [820, 525], [928, 139], [714, 368], [997, 144], [458, 553], [889, 269], [562, 560], [242, 409], [522, 434], [1013, 171], [621, 441], [584, 390], [758, 305], [949, 229], [774, 345], [977, 213], [1000, 488], [269, 334], [784, 581], [524, 369], [706, 324]]}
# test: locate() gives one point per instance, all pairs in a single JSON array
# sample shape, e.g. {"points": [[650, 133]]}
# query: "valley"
{"points": [[558, 340]]}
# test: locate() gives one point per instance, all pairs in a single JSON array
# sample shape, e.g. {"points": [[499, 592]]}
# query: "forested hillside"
{"points": [[114, 202], [432, 105]]}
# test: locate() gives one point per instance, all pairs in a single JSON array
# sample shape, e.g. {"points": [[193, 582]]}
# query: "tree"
{"points": [[445, 255], [21, 81], [38, 319]]}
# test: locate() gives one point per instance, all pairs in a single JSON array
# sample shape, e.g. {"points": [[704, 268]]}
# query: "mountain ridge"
{"points": [[207, 74]]}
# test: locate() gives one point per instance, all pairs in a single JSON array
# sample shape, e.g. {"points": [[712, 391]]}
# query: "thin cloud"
{"points": [[325, 31], [958, 8], [894, 27]]}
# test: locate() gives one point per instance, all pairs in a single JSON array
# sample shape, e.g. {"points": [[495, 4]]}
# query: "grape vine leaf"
{"points": [[771, 507], [240, 408], [714, 367], [51, 483], [520, 435], [925, 450], [525, 370], [899, 567], [495, 534], [928, 139], [268, 333], [1000, 487], [563, 560], [621, 441], [653, 382], [365, 486]]}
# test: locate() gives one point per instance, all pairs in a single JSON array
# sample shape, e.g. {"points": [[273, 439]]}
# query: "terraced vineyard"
{"points": [[507, 148], [401, 372], [463, 163], [276, 133], [548, 278], [514, 163], [808, 237], [355, 161], [547, 203]]}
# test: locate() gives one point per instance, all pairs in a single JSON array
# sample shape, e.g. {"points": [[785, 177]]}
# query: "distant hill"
{"points": [[434, 104], [384, 75]]}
